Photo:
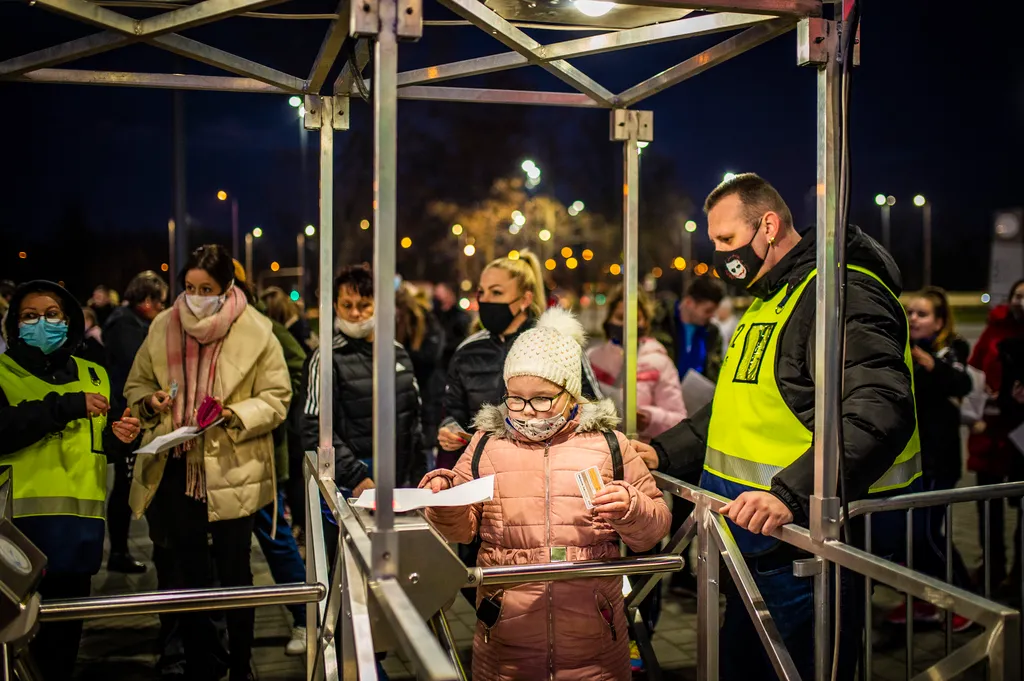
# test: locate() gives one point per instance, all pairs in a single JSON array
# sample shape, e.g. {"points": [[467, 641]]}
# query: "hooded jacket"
{"points": [[72, 544], [572, 630], [878, 401]]}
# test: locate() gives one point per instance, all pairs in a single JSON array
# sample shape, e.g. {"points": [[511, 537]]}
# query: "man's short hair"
{"points": [[145, 286], [357, 278], [705, 289], [757, 196]]}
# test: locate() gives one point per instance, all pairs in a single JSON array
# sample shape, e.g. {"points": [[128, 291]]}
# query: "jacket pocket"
{"points": [[606, 613]]}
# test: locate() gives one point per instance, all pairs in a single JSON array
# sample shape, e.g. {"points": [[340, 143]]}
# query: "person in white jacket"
{"points": [[659, 396]]}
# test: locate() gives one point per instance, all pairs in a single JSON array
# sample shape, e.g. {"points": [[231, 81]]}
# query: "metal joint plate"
{"points": [[812, 41], [313, 106], [364, 19], [627, 124], [410, 19]]}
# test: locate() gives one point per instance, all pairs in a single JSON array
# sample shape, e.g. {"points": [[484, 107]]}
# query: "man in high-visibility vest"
{"points": [[752, 444], [53, 415]]}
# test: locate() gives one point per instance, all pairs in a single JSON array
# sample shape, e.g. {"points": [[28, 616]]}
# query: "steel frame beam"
{"points": [[795, 8], [329, 49], [486, 96], [175, 81]]}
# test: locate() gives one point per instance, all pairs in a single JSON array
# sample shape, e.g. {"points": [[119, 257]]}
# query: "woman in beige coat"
{"points": [[210, 345], [536, 443]]}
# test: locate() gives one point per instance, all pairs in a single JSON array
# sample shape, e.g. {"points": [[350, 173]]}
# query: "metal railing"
{"points": [[909, 503]]}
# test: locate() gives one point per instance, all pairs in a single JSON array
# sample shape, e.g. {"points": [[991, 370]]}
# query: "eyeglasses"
{"points": [[32, 317], [539, 404]]}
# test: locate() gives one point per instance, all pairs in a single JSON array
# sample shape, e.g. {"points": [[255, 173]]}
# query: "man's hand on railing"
{"points": [[758, 512], [646, 453]]}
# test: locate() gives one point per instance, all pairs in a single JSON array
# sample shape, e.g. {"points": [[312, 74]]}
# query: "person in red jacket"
{"points": [[991, 455]]}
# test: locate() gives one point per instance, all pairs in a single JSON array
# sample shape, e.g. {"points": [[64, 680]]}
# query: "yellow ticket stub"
{"points": [[590, 483]]}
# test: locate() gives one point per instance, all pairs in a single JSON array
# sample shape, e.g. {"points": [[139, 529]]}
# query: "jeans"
{"points": [[790, 601], [281, 552]]}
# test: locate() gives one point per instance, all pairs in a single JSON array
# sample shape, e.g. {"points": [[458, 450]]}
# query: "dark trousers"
{"points": [[55, 647], [930, 549], [190, 534], [997, 530], [282, 553], [119, 513]]}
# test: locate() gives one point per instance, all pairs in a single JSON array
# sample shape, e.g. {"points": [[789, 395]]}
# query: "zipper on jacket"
{"points": [[547, 537]]}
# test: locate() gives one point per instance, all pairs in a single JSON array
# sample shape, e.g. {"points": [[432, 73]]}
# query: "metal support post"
{"points": [[707, 597], [385, 181], [325, 450], [180, 191], [630, 127]]}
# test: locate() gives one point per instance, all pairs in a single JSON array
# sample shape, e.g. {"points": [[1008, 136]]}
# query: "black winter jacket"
{"points": [[938, 394], [878, 402], [476, 376], [353, 413], [123, 335]]}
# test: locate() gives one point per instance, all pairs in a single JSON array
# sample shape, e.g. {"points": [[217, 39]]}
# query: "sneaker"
{"points": [[123, 562], [296, 646], [924, 613], [960, 624]]}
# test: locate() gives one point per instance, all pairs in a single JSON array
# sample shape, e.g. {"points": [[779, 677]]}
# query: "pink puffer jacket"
{"points": [[573, 630], [659, 394]]}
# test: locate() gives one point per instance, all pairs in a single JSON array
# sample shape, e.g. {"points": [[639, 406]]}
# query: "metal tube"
{"points": [[186, 600], [707, 598], [676, 545], [312, 550], [949, 574], [444, 633], [938, 498], [180, 189], [910, 597], [869, 623], [429, 660], [987, 547], [630, 240], [583, 569], [325, 450], [385, 178]]}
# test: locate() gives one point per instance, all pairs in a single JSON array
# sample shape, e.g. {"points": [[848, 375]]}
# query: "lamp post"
{"points": [[886, 203], [926, 213], [223, 196], [300, 242]]}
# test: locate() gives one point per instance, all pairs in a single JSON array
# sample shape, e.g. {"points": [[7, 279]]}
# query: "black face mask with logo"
{"points": [[740, 265]]}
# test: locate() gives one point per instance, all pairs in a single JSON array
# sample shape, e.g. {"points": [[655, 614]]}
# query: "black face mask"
{"points": [[496, 317], [741, 265]]}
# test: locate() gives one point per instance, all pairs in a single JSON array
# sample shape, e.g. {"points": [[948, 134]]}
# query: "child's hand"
{"points": [[436, 484], [612, 502]]}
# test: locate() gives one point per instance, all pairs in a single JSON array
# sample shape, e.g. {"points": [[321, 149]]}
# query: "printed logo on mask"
{"points": [[735, 268]]}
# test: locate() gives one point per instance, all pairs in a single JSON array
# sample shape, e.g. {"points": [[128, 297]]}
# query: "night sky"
{"points": [[937, 108]]}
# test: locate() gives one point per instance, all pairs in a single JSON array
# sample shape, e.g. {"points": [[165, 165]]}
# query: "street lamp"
{"points": [[257, 232], [223, 196], [728, 177], [295, 101], [885, 203], [310, 230], [926, 214]]}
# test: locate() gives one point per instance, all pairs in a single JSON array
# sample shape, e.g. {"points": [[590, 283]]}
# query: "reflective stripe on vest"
{"points": [[753, 433], [64, 473]]}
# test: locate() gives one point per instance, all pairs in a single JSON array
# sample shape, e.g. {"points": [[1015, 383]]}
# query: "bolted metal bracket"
{"points": [[824, 518], [812, 42], [364, 20], [627, 124], [808, 567], [384, 549], [314, 112], [410, 19]]}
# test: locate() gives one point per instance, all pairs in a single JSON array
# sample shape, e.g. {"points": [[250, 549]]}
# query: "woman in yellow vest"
{"points": [[53, 411], [210, 344]]}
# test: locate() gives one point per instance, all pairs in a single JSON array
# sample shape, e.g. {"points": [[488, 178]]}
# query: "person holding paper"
{"points": [[211, 347], [53, 417], [659, 398], [554, 457]]}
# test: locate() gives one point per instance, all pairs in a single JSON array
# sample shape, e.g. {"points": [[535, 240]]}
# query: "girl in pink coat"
{"points": [[534, 444], [659, 396]]}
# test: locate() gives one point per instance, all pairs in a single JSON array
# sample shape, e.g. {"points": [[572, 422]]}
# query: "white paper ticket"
{"points": [[590, 483]]}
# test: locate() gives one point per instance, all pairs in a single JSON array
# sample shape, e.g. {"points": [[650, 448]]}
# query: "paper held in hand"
{"points": [[412, 499], [698, 391], [162, 443]]}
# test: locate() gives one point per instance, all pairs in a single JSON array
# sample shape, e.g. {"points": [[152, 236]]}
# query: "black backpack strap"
{"points": [[616, 451], [477, 453]]}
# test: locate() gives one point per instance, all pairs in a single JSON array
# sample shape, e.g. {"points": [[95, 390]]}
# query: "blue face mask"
{"points": [[45, 335]]}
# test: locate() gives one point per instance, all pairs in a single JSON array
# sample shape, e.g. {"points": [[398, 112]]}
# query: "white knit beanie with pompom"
{"points": [[552, 350]]}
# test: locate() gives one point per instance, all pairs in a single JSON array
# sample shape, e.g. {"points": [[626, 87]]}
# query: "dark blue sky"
{"points": [[937, 109]]}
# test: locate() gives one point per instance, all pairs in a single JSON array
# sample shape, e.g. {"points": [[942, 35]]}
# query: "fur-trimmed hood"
{"points": [[592, 417]]}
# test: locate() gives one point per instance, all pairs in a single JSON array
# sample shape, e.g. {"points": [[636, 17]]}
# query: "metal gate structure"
{"points": [[371, 593]]}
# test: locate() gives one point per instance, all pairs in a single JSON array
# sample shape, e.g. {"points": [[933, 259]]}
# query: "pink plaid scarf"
{"points": [[193, 347]]}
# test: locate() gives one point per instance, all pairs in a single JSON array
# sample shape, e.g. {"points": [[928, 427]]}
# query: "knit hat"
{"points": [[552, 350]]}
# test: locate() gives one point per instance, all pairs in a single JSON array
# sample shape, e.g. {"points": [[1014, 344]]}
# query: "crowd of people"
{"points": [[520, 394]]}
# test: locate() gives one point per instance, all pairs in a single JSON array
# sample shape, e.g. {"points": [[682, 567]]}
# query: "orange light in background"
{"points": [[550, 263], [164, 267], [571, 263], [585, 301], [364, 224], [588, 254], [513, 255], [657, 272], [23, 255], [222, 195], [566, 252], [406, 242], [274, 266], [701, 269], [679, 263], [615, 269], [715, 273], [61, 283]]}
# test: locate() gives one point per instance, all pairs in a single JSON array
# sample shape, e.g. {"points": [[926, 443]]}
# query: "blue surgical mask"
{"points": [[44, 334]]}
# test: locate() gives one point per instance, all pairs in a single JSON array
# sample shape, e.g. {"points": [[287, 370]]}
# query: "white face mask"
{"points": [[356, 329], [540, 430], [204, 306]]}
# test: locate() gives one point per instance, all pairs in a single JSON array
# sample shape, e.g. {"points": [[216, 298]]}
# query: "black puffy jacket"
{"points": [[476, 376], [353, 413], [878, 401]]}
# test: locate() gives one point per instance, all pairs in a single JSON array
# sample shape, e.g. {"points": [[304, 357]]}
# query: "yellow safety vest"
{"points": [[64, 473], [753, 433]]}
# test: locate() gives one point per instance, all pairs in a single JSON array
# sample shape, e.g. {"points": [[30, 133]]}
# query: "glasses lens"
{"points": [[541, 403], [515, 403]]}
